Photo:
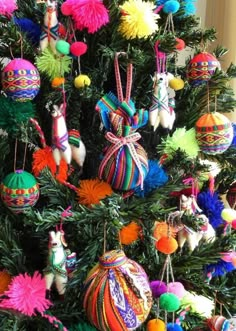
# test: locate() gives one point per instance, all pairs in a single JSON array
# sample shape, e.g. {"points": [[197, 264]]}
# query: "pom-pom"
{"points": [[7, 7], [5, 279], [162, 229], [180, 44], [228, 215], [171, 6], [66, 8], [220, 268], [63, 47], [156, 177], [138, 19], [128, 234], [14, 115], [158, 287], [176, 288], [198, 304], [88, 14], [78, 48], [91, 191], [82, 81], [174, 327], [26, 294], [156, 324], [169, 302], [233, 224], [176, 84], [183, 140], [53, 66], [31, 29], [189, 8], [167, 245], [58, 81]]}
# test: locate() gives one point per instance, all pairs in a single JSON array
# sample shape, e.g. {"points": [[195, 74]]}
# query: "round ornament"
{"points": [[214, 133], [63, 47], [231, 196], [123, 288], [156, 325], [20, 80], [218, 323], [228, 215], [201, 68], [176, 84], [82, 81], [19, 191]]}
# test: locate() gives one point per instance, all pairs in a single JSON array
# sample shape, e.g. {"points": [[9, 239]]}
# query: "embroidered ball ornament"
{"points": [[122, 286], [214, 133], [201, 68], [218, 323], [19, 191], [20, 80]]}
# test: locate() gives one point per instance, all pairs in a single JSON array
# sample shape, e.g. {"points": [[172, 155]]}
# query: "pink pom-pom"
{"points": [[66, 8], [176, 288], [90, 14], [78, 48], [7, 7]]}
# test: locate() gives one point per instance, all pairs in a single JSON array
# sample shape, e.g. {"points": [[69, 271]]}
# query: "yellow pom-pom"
{"points": [[156, 325], [176, 84], [228, 215], [138, 19], [82, 81]]}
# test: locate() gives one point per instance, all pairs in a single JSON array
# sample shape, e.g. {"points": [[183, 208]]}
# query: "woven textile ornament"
{"points": [[201, 68], [20, 80], [19, 191], [214, 133], [219, 323], [117, 293]]}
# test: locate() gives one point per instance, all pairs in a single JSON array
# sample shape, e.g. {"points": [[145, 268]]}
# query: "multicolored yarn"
{"points": [[74, 137], [19, 191], [201, 68], [214, 133], [20, 80], [54, 321], [117, 293]]}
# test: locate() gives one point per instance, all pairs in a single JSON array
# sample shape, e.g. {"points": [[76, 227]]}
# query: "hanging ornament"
{"points": [[171, 6], [138, 19], [82, 81], [122, 285], [158, 287], [77, 147], [19, 191], [218, 323], [20, 80], [156, 325], [78, 48], [201, 68], [62, 47], [214, 133]]}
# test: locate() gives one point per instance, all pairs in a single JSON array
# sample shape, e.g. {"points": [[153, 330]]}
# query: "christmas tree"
{"points": [[117, 168]]}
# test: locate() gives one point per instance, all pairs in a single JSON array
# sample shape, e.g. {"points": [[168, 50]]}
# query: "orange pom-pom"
{"points": [[5, 279], [129, 233], [58, 81], [91, 191], [43, 158], [167, 245], [162, 229], [156, 325]]}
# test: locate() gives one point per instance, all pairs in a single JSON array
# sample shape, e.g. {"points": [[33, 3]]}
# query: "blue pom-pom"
{"points": [[174, 327], [31, 29], [155, 178], [212, 207], [220, 268], [160, 2], [171, 6], [189, 8], [234, 138]]}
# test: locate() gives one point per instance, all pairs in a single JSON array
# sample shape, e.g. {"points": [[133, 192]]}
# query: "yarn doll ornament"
{"points": [[49, 35], [125, 164]]}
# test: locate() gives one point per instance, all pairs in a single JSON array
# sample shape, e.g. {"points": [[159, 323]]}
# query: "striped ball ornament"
{"points": [[214, 133], [19, 191], [117, 293]]}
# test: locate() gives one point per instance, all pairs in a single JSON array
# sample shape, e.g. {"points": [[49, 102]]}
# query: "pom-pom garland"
{"points": [[129, 233], [158, 287], [167, 245], [169, 302], [138, 19], [171, 6]]}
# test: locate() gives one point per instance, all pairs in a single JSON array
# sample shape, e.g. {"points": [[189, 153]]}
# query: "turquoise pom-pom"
{"points": [[171, 6], [189, 8], [174, 327]]}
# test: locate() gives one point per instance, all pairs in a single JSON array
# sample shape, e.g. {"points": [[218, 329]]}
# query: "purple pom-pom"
{"points": [[158, 288]]}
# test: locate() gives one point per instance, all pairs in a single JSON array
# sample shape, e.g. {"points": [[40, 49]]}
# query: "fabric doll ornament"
{"points": [[125, 164], [123, 288]]}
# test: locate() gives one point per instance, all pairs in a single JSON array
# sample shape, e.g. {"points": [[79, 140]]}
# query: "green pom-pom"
{"points": [[52, 65], [13, 115], [169, 302], [63, 47], [181, 139], [82, 327]]}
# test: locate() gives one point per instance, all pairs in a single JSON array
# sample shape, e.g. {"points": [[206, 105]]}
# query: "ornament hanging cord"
{"points": [[15, 153]]}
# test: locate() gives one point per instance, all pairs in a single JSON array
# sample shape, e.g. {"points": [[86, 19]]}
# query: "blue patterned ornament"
{"points": [[20, 80]]}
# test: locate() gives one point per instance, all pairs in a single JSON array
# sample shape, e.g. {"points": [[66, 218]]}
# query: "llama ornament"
{"points": [[61, 148]]}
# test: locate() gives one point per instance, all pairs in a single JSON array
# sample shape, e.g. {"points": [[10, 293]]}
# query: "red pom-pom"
{"points": [[66, 9], [180, 44], [78, 48]]}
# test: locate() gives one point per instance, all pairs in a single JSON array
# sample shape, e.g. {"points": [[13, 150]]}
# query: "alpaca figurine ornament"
{"points": [[49, 35], [77, 148], [61, 148], [56, 268]]}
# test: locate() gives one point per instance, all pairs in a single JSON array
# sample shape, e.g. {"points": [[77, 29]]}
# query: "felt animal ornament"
{"points": [[49, 35], [56, 267], [161, 111], [60, 143]]}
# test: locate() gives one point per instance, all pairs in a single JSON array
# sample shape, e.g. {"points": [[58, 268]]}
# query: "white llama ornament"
{"points": [[77, 148]]}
